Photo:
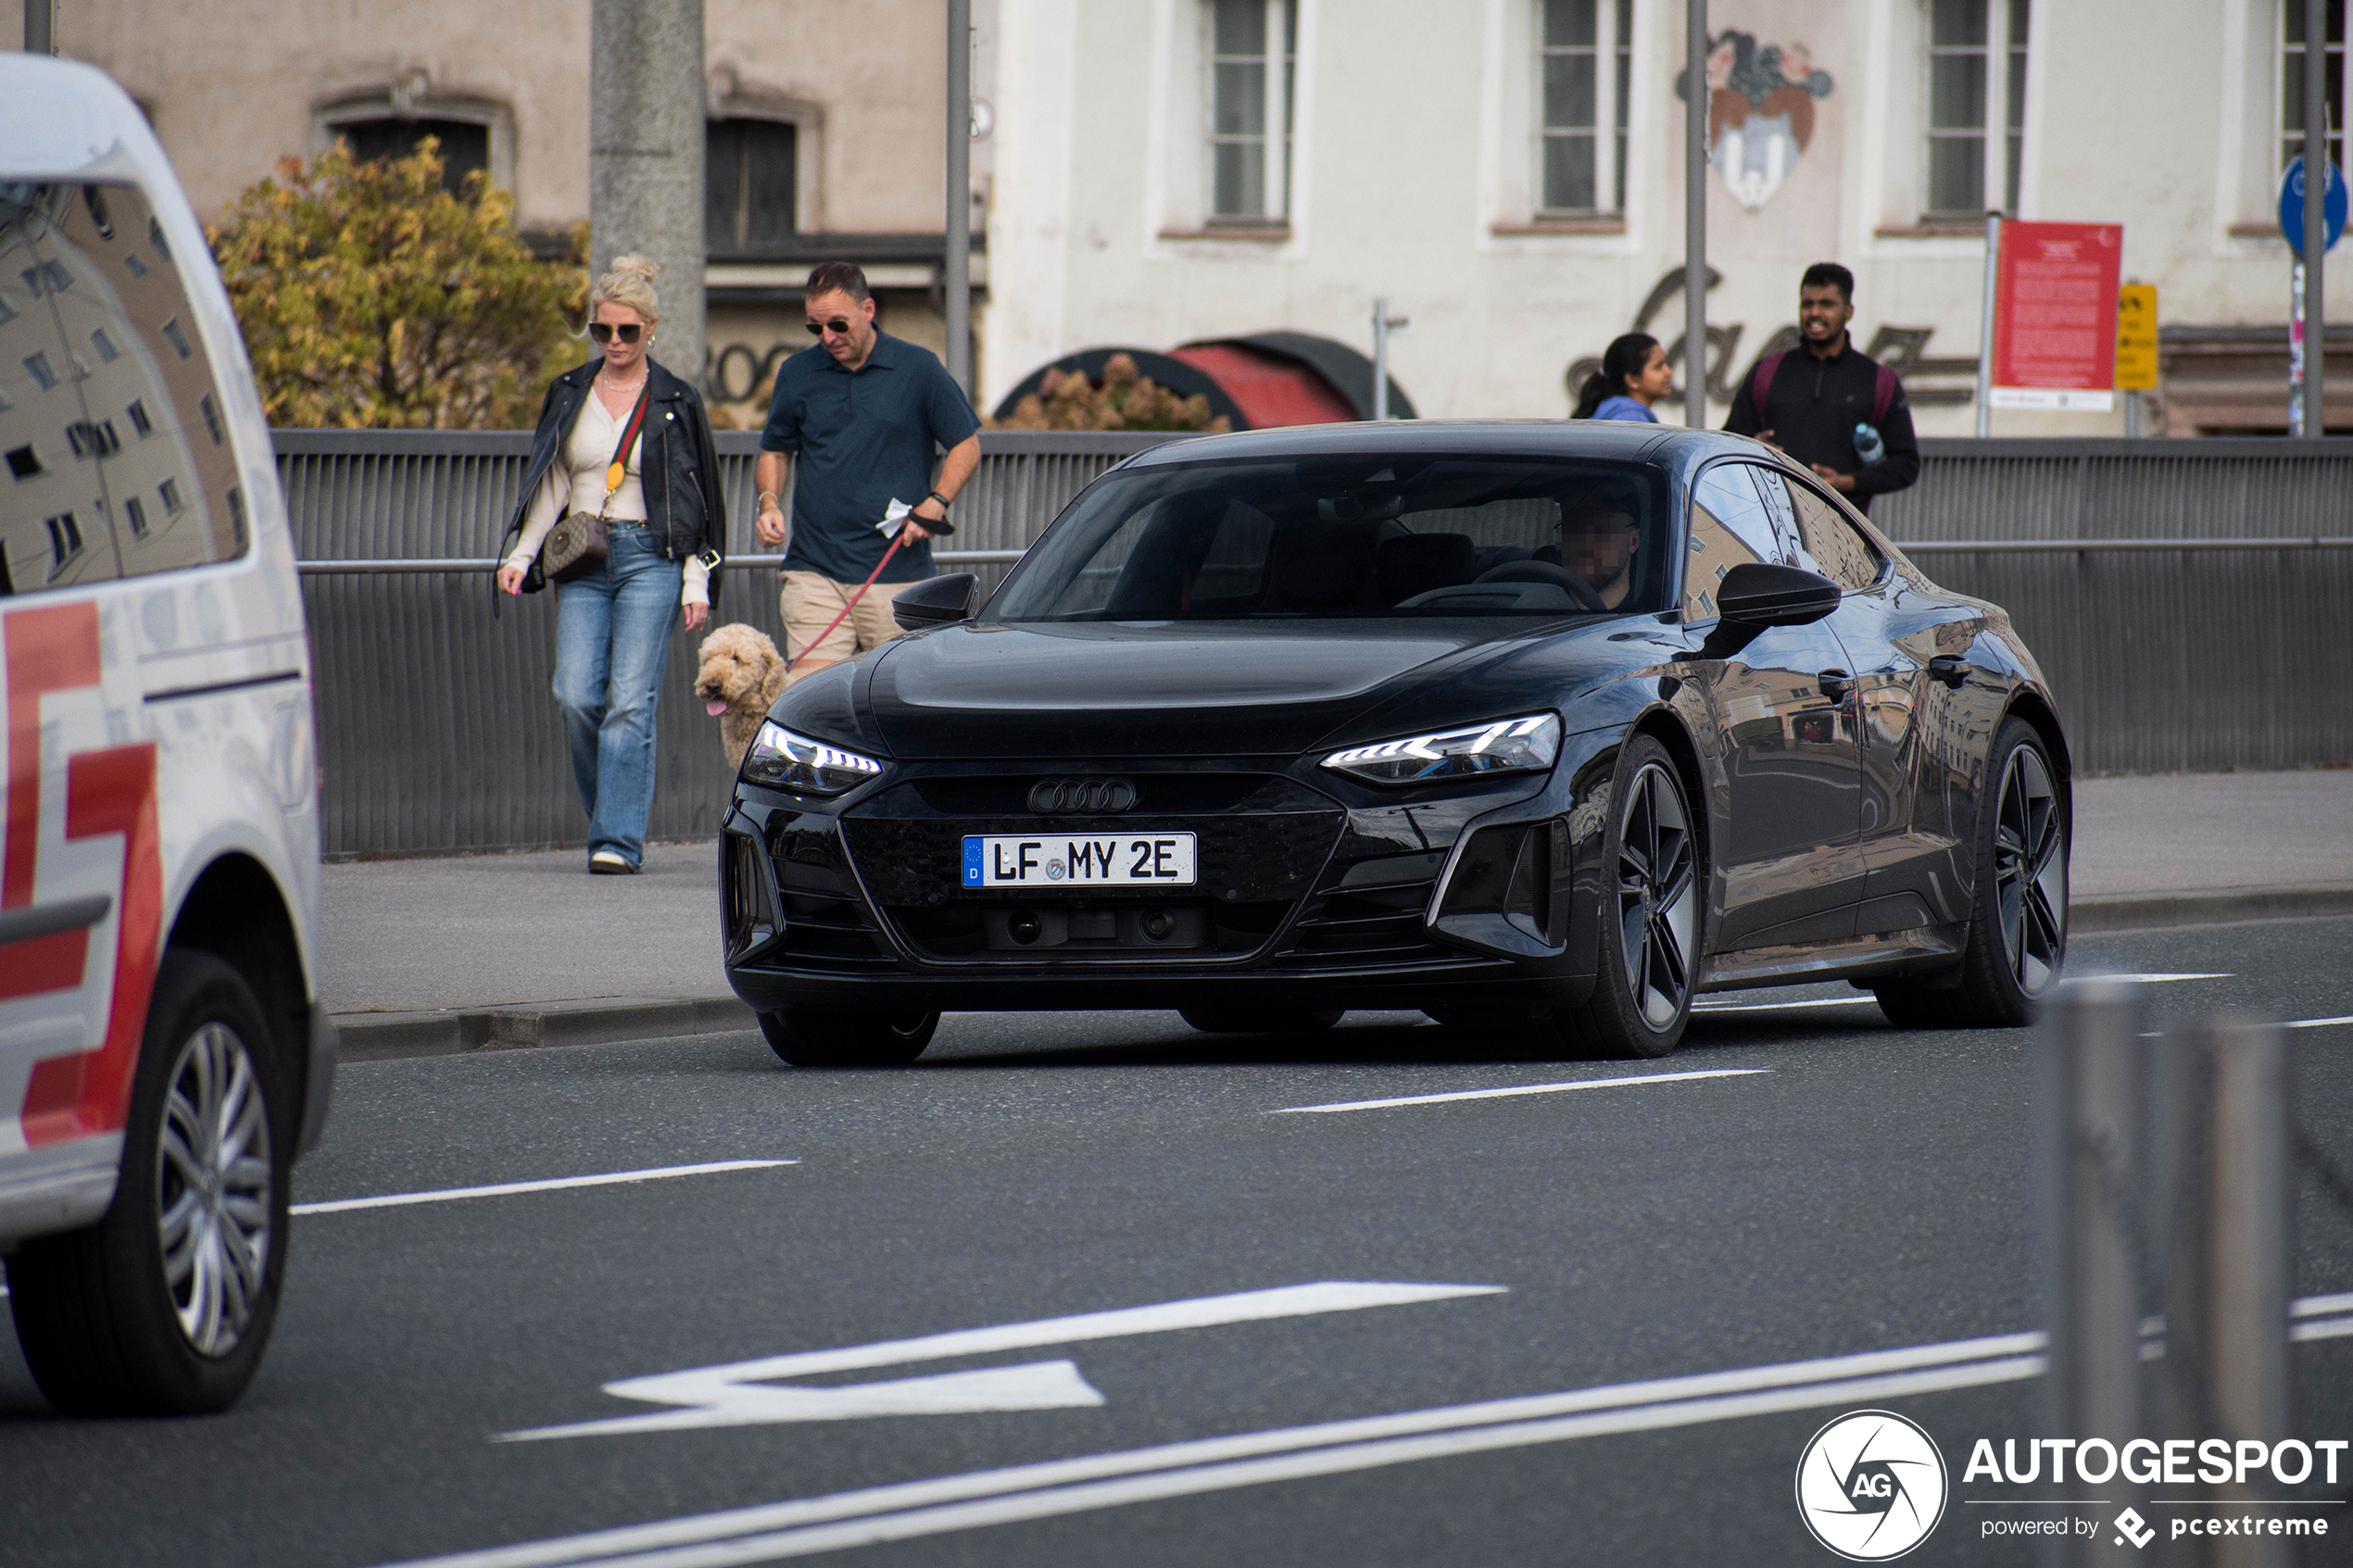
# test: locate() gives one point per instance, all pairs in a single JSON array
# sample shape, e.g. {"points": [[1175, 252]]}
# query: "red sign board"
{"points": [[2055, 306]]}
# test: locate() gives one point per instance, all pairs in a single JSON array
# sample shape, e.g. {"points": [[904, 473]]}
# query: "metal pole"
{"points": [[2316, 221], [2133, 416], [1380, 358], [1695, 213], [40, 27], [957, 285], [2296, 346], [1985, 324], [2089, 1190], [2247, 1251]]}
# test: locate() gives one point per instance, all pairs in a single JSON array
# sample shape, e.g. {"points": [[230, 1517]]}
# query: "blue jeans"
{"points": [[612, 648]]}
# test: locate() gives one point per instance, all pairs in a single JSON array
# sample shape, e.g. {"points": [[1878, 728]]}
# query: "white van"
{"points": [[163, 1059]]}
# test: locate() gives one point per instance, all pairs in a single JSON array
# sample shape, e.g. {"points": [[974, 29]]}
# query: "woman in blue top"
{"points": [[1634, 374]]}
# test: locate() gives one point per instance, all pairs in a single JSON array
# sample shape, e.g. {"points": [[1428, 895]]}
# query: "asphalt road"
{"points": [[1832, 1187]]}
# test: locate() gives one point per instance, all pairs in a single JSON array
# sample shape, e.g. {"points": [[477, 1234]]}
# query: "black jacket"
{"points": [[678, 464], [1812, 408]]}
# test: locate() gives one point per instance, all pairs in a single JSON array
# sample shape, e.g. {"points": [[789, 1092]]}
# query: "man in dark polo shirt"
{"points": [[1816, 395], [862, 410]]}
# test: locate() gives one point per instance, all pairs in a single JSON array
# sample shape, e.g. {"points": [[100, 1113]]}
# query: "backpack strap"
{"points": [[1883, 390], [1761, 380]]}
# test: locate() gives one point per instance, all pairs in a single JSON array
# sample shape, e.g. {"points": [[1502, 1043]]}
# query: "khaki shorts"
{"points": [[809, 602]]}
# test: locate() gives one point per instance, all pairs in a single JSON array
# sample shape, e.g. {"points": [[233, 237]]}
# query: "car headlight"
{"points": [[792, 761], [1506, 746]]}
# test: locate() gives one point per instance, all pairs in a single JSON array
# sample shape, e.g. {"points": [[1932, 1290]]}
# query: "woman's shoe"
{"points": [[609, 863]]}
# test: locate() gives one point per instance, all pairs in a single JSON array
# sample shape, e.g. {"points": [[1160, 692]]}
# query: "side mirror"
{"points": [[1759, 594], [939, 601]]}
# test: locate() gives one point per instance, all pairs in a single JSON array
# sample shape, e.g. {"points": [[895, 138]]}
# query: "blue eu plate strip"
{"points": [[972, 862]]}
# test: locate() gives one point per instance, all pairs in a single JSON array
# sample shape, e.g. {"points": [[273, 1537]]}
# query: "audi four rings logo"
{"points": [[1091, 797]]}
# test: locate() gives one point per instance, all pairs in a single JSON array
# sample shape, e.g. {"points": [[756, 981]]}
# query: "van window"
{"points": [[108, 389]]}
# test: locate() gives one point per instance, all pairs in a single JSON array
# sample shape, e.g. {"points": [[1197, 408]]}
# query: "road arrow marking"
{"points": [[744, 1393]]}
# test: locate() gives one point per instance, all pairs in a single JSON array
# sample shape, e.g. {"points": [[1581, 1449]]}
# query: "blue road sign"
{"points": [[2291, 207]]}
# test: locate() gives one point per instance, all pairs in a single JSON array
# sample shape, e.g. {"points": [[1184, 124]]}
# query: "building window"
{"points": [[24, 463], [170, 491], [139, 419], [211, 418], [44, 374], [1254, 52], [747, 184], [465, 144], [2291, 94], [1585, 63], [105, 346], [65, 541], [1976, 82], [174, 336], [134, 511]]}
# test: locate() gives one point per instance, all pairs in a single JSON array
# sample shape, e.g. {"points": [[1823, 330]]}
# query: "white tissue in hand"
{"points": [[893, 515]]}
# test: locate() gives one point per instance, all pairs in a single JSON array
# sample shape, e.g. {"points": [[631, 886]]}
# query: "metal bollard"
{"points": [[2091, 1226], [2246, 1248]]}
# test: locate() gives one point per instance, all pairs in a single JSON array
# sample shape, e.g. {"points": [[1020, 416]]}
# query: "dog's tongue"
{"points": [[714, 709]]}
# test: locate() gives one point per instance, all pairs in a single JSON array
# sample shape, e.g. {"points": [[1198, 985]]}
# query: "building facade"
{"points": [[1507, 174], [825, 127]]}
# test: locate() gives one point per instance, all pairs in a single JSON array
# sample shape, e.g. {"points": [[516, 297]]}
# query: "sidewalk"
{"points": [[429, 956]]}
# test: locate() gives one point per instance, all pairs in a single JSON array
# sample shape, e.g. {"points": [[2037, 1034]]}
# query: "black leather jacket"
{"points": [[678, 463]]}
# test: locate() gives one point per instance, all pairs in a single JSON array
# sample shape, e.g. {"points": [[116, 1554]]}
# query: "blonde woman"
{"points": [[664, 523]]}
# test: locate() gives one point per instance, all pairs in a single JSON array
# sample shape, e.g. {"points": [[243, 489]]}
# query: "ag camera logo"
{"points": [[1871, 1486]]}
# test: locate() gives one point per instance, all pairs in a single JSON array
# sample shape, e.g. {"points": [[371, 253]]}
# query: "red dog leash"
{"points": [[896, 540]]}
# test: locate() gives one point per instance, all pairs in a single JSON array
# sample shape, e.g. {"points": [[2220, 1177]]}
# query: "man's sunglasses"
{"points": [[839, 327], [603, 331]]}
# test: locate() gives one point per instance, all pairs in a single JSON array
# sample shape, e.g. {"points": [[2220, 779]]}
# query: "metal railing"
{"points": [[2182, 596]]}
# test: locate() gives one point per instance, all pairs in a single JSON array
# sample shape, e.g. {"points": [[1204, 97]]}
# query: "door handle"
{"points": [[1949, 668], [1835, 684]]}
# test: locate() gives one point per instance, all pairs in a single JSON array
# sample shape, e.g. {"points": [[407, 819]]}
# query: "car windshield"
{"points": [[1357, 536]]}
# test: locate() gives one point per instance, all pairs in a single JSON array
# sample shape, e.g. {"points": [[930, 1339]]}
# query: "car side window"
{"points": [[122, 415], [1839, 551], [1730, 527]]}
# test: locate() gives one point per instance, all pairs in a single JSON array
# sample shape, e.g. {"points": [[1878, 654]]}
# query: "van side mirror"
{"points": [[936, 601], [1760, 594]]}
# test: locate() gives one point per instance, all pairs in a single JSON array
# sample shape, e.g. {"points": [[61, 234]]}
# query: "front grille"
{"points": [[1261, 842]]}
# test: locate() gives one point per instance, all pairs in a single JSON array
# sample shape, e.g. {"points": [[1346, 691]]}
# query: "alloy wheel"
{"points": [[1656, 895], [214, 1180], [2030, 872]]}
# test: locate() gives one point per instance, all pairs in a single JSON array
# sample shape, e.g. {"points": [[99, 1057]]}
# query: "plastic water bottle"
{"points": [[1867, 445]]}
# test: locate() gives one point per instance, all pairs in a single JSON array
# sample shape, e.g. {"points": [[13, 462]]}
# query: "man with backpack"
{"points": [[1828, 404]]}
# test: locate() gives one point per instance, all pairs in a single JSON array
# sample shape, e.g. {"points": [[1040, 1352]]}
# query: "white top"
{"points": [[576, 479]]}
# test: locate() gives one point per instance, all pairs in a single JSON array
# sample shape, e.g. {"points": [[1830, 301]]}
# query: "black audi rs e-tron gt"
{"points": [[1542, 728]]}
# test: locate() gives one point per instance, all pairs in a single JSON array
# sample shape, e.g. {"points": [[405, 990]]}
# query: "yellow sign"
{"points": [[2136, 337]]}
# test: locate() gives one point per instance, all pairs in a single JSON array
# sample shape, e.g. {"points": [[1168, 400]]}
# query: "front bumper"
{"points": [[1313, 891]]}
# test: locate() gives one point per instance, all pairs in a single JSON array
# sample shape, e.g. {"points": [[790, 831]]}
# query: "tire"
{"points": [[827, 1037], [1276, 1021], [165, 1306], [1652, 919], [2017, 948]]}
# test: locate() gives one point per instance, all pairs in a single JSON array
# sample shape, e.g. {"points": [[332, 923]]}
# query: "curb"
{"points": [[385, 1036], [2151, 911]]}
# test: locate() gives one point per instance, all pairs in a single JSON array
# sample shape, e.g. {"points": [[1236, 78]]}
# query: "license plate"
{"points": [[1067, 860]]}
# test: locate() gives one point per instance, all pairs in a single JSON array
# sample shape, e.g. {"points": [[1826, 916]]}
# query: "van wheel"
{"points": [[163, 1307], [827, 1037]]}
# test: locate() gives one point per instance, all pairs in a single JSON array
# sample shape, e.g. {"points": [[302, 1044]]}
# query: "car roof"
{"points": [[1670, 446]]}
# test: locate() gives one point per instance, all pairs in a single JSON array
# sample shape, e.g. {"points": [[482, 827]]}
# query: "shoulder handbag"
{"points": [[575, 546]]}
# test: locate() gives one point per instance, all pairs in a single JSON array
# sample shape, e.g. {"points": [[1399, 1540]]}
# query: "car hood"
{"points": [[1193, 689]]}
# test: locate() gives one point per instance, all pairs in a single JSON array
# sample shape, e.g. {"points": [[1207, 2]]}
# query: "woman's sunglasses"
{"points": [[839, 327], [603, 331]]}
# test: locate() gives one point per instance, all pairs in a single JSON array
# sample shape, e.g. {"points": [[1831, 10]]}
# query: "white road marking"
{"points": [[951, 1502], [1523, 1090], [447, 1194], [2154, 979], [742, 1393], [1777, 1007], [2320, 1022], [768, 1532]]}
